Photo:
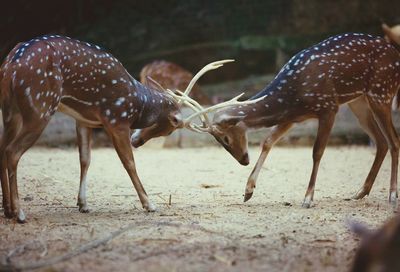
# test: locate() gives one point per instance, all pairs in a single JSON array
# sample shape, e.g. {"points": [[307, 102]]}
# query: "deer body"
{"points": [[357, 69], [54, 73]]}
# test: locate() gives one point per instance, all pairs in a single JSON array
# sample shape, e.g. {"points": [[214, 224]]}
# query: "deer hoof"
{"points": [[84, 209], [361, 194], [247, 196], [393, 199], [21, 217], [307, 203], [150, 207]]}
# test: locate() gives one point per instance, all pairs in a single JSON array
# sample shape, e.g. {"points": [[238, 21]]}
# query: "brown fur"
{"points": [[172, 76]]}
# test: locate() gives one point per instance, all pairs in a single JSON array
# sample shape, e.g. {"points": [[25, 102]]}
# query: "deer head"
{"points": [[166, 125], [227, 127], [231, 133]]}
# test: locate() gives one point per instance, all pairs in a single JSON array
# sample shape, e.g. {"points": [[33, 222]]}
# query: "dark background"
{"points": [[260, 35]]}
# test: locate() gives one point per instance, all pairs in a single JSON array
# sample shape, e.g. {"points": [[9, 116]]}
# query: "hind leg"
{"points": [[84, 143], [11, 129], [13, 152], [383, 116], [367, 122]]}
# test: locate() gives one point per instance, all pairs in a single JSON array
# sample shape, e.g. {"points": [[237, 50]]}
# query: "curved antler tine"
{"points": [[232, 102], [208, 67], [152, 80], [196, 128], [190, 103], [215, 107]]}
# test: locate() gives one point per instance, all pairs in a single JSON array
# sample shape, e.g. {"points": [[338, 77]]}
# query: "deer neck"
{"points": [[153, 106], [271, 110]]}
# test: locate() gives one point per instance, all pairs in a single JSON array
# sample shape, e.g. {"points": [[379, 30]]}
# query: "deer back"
{"points": [[52, 73]]}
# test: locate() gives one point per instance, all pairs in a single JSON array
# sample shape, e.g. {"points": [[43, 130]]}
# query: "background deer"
{"points": [[55, 73], [174, 77], [357, 69]]}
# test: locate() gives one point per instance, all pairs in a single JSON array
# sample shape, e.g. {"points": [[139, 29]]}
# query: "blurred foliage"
{"points": [[195, 32]]}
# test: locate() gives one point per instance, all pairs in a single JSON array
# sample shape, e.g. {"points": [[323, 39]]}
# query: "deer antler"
{"points": [[232, 102], [156, 83], [184, 96], [205, 69]]}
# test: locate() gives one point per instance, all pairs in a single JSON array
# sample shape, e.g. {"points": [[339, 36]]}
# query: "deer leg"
{"points": [[325, 124], [276, 134], [23, 141], [121, 142], [84, 144], [383, 116], [11, 129], [367, 122]]}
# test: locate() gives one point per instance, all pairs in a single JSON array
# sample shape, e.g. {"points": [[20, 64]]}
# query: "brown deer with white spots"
{"points": [[55, 73], [355, 69], [172, 76]]}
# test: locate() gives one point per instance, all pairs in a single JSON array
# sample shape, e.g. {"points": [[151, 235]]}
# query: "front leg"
{"points": [[276, 134], [120, 138], [84, 144], [325, 124]]}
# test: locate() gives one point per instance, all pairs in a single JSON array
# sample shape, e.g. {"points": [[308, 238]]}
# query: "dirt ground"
{"points": [[207, 227]]}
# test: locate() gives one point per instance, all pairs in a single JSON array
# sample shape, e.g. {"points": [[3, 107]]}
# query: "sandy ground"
{"points": [[204, 229]]}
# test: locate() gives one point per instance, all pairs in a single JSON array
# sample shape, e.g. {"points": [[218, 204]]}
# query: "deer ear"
{"points": [[176, 120]]}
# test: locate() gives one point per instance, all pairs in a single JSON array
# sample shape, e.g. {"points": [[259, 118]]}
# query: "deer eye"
{"points": [[226, 140]]}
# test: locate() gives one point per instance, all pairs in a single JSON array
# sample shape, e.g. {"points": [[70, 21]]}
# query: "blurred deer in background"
{"points": [[379, 250], [55, 73], [170, 76], [360, 70]]}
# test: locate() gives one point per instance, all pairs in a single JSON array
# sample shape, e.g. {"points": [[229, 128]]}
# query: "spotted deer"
{"points": [[355, 69], [55, 73]]}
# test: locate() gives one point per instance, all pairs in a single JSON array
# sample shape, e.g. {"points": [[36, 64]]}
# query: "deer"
{"points": [[379, 249], [57, 73], [356, 69]]}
